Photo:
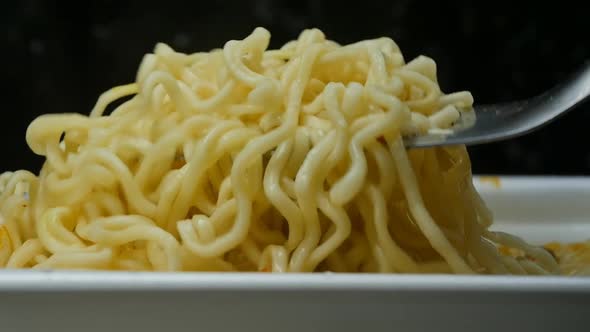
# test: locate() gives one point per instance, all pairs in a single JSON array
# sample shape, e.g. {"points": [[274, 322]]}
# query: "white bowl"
{"points": [[541, 209]]}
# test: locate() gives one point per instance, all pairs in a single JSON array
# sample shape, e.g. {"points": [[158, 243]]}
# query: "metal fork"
{"points": [[496, 122]]}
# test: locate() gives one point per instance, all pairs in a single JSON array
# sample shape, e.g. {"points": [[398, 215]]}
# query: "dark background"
{"points": [[58, 56]]}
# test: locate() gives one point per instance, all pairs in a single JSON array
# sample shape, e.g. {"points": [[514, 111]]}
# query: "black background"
{"points": [[58, 56]]}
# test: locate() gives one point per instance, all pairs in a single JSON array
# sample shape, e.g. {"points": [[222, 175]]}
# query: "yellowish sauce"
{"points": [[493, 180]]}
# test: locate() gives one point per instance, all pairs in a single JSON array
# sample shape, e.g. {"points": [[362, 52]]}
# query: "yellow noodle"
{"points": [[246, 158]]}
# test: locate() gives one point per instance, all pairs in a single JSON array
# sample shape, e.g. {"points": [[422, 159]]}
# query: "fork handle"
{"points": [[576, 89]]}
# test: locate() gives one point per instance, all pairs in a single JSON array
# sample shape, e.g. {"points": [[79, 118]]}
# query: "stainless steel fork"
{"points": [[496, 122]]}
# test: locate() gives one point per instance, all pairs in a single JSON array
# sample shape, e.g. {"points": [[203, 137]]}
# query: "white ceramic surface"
{"points": [[539, 209]]}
